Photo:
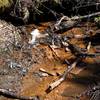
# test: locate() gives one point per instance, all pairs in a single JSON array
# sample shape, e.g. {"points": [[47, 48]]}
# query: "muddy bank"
{"points": [[20, 69], [54, 60]]}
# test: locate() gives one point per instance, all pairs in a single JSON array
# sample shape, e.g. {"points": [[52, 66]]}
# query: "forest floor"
{"points": [[31, 81]]}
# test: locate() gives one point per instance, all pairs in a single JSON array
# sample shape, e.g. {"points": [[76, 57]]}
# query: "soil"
{"points": [[27, 80]]}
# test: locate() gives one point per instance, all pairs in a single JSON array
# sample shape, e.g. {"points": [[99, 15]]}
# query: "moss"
{"points": [[97, 21], [5, 4]]}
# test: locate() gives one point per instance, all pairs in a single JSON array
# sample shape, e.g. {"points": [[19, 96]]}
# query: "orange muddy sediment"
{"points": [[52, 61]]}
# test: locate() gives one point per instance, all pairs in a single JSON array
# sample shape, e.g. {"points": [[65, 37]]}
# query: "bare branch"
{"points": [[58, 82]]}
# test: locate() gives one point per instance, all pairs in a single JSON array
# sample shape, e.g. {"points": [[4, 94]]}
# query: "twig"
{"points": [[9, 94], [74, 49], [84, 6], [44, 71], [52, 49], [88, 46], [86, 16], [58, 82], [50, 10]]}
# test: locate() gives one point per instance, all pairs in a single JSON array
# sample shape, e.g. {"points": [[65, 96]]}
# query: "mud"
{"points": [[19, 70]]}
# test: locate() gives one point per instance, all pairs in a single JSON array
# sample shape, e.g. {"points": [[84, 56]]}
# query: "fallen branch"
{"points": [[87, 5], [86, 16], [88, 46], [10, 94], [63, 26], [59, 22], [71, 22], [58, 82]]}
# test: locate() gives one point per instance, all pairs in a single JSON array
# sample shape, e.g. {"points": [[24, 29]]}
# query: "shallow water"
{"points": [[53, 61]]}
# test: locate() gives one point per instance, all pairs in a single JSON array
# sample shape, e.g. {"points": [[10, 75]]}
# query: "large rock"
{"points": [[9, 35]]}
